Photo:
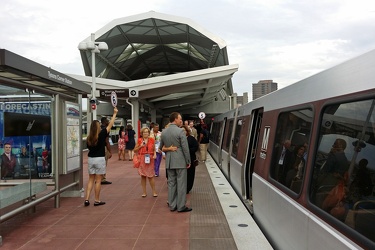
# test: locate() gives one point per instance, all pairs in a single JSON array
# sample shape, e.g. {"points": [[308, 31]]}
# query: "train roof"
{"points": [[352, 76]]}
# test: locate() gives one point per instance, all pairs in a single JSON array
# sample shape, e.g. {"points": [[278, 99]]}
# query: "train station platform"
{"points": [[218, 220]]}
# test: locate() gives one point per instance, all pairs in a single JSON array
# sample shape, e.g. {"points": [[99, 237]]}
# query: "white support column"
{"points": [[88, 115], [234, 101], [93, 73], [135, 115]]}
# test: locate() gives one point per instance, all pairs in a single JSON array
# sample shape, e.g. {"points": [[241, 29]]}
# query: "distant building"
{"points": [[242, 100], [263, 87]]}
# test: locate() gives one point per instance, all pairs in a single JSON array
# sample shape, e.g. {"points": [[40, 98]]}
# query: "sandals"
{"points": [[99, 203], [87, 203]]}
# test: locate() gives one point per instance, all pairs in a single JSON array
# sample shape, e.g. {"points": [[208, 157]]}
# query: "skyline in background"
{"points": [[283, 41]]}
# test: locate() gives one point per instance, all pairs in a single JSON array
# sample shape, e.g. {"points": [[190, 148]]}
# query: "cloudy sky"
{"points": [[282, 40]]}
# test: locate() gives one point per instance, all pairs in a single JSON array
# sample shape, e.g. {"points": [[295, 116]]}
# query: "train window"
{"points": [[227, 135], [289, 154], [344, 166], [240, 138], [215, 136]]}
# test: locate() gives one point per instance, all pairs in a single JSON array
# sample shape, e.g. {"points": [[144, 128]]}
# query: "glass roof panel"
{"points": [[160, 22], [122, 57], [172, 30], [163, 32], [152, 32], [103, 73], [117, 50], [140, 30], [187, 49], [126, 27], [202, 50], [136, 23], [182, 27], [147, 22], [194, 32], [113, 32]]}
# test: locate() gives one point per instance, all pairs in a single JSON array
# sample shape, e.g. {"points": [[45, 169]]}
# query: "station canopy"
{"points": [[18, 74], [172, 63]]}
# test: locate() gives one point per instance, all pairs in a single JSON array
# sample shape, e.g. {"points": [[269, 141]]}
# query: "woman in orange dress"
{"points": [[145, 149]]}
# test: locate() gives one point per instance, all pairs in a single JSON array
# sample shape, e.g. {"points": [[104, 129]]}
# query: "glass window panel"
{"points": [[228, 135], [240, 138], [344, 166], [289, 154], [216, 138]]}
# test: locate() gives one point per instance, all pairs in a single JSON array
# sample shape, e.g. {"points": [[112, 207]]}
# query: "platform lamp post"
{"points": [[94, 47]]}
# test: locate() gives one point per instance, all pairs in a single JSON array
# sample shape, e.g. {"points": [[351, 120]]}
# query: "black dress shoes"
{"points": [[99, 203], [186, 209]]}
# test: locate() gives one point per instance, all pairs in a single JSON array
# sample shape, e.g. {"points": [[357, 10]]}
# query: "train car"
{"points": [[303, 158], [219, 147]]}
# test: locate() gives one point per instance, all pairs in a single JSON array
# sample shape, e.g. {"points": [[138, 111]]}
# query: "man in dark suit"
{"points": [[8, 162], [285, 161], [173, 141]]}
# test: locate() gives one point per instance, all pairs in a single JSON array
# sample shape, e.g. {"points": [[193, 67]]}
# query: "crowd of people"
{"points": [[181, 144]]}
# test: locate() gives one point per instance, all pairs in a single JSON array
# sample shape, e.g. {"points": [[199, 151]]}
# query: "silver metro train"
{"points": [[303, 158]]}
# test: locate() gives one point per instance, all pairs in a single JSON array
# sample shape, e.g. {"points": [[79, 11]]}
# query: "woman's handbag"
{"points": [[126, 138], [136, 161]]}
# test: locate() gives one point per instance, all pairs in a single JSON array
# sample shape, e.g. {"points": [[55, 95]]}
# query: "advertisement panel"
{"points": [[26, 128]]}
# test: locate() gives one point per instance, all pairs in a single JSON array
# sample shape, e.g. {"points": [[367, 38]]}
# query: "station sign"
{"points": [[119, 92]]}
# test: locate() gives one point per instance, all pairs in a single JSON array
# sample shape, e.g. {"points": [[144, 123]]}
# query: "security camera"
{"points": [[94, 101]]}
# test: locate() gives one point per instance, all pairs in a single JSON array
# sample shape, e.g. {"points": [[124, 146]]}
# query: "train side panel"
{"points": [[288, 225]]}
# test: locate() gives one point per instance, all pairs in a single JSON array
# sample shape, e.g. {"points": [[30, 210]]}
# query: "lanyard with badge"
{"points": [[147, 156]]}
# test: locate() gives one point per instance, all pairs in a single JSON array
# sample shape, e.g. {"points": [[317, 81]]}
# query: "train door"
{"points": [[216, 141], [225, 155], [256, 121], [223, 124], [239, 152]]}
